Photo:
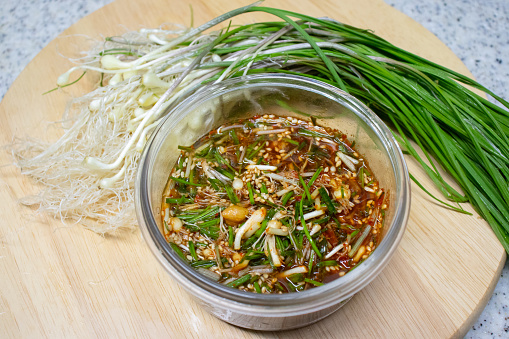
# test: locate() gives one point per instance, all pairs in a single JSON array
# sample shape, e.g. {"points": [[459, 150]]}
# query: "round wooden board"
{"points": [[60, 280]]}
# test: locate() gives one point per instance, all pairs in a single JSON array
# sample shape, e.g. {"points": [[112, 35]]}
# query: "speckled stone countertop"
{"points": [[475, 30]]}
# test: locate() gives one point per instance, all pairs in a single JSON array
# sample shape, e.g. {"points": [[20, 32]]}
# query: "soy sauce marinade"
{"points": [[273, 204]]}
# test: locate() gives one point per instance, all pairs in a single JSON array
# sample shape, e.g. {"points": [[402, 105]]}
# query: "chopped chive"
{"points": [[279, 245], [306, 190], [261, 230], [313, 134], [306, 231], [359, 241], [264, 189], [286, 197], [327, 200], [361, 177], [231, 194], [223, 161], [236, 283], [354, 233], [267, 287], [166, 226], [209, 223], [204, 263], [291, 141], [218, 257], [251, 197], [185, 182], [208, 212], [257, 287], [178, 250], [234, 136], [230, 236], [315, 176], [316, 283], [185, 148], [211, 231], [256, 150], [192, 250], [214, 184], [327, 263], [181, 200], [279, 286], [69, 84], [311, 261], [180, 164]]}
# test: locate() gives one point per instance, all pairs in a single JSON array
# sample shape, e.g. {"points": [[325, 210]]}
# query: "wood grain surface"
{"points": [[63, 281]]}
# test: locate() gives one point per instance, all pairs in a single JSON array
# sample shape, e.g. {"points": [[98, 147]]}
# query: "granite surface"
{"points": [[477, 31]]}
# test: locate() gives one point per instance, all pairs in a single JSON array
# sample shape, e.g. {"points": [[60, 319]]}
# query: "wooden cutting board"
{"points": [[59, 280]]}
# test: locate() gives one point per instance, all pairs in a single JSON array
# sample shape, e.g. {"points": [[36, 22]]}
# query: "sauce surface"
{"points": [[273, 204]]}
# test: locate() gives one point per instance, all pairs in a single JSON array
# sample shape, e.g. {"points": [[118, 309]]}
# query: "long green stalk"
{"points": [[457, 129]]}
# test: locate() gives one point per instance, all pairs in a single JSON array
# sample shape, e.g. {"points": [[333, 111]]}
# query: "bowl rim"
{"points": [[335, 291]]}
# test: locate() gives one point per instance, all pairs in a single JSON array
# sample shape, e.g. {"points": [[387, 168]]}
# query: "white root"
{"points": [[313, 214], [271, 244], [335, 250], [348, 161], [295, 270], [316, 228], [250, 226], [262, 167], [88, 174]]}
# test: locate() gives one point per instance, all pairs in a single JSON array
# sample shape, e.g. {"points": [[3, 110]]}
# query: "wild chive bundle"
{"points": [[424, 102]]}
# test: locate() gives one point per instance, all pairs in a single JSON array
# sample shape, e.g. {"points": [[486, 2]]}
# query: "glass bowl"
{"points": [[214, 105]]}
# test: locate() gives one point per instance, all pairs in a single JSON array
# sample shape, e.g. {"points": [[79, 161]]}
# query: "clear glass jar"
{"points": [[214, 105]]}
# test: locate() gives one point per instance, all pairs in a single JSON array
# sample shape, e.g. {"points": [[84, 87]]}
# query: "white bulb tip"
{"points": [[63, 79]]}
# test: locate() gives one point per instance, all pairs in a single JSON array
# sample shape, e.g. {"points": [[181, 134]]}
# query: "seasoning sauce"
{"points": [[273, 204]]}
